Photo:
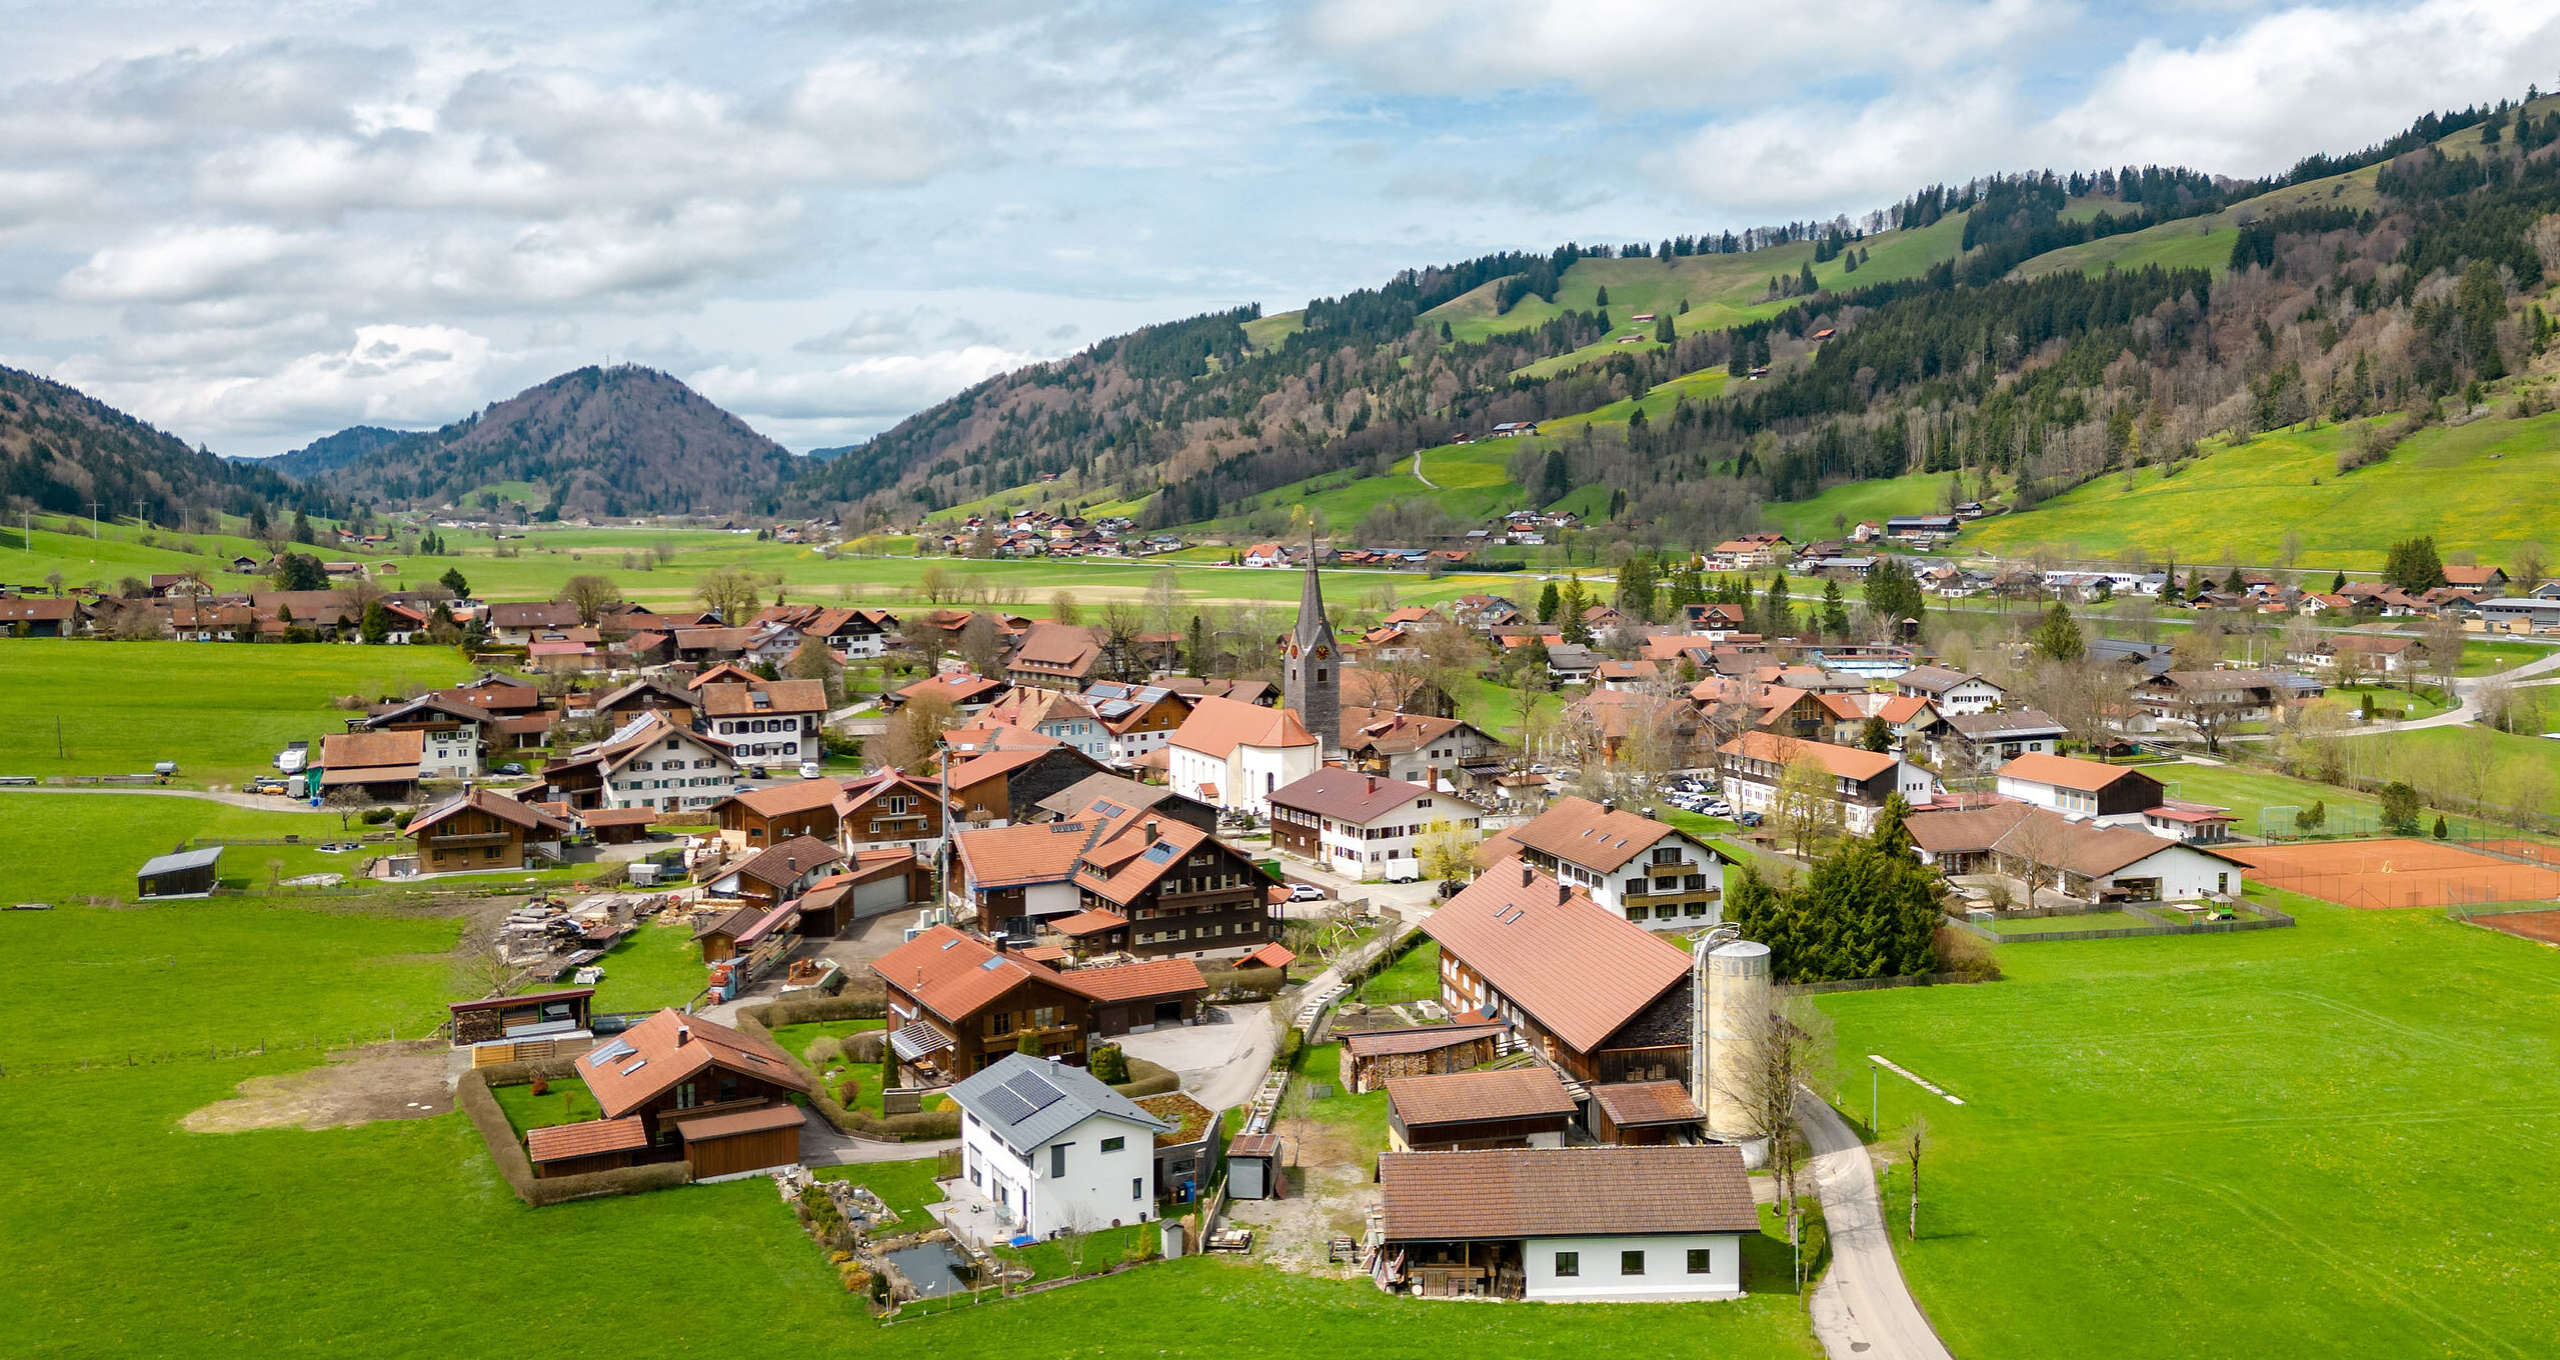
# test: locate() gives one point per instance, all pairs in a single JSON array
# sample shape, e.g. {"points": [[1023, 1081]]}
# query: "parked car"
{"points": [[511, 767], [810, 769], [1305, 892], [1749, 819], [757, 772]]}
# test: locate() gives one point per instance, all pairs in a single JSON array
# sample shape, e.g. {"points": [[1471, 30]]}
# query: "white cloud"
{"points": [[177, 264], [387, 375], [872, 388], [2313, 78], [1668, 53]]}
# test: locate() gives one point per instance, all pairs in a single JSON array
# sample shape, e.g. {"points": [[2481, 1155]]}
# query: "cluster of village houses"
{"points": [[1076, 843], [1075, 840]]}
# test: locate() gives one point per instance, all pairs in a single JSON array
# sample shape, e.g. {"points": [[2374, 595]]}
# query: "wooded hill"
{"points": [[64, 451], [596, 441], [2018, 336]]}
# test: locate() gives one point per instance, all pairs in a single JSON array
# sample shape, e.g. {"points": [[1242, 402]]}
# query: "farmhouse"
{"points": [[1447, 1112], [770, 816], [1954, 692], [1371, 1057], [1139, 718], [380, 767], [1054, 1150], [1362, 826], [1646, 871], [1564, 1223], [957, 1004], [1857, 782], [650, 762], [776, 873], [1006, 778], [1984, 741], [715, 1097], [771, 722], [2078, 859], [1596, 995], [451, 732], [889, 810], [482, 829]]}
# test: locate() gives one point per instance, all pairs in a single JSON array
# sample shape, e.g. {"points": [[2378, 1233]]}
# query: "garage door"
{"points": [[881, 895]]}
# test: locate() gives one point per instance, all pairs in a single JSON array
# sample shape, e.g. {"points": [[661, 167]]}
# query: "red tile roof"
{"points": [[1217, 726], [953, 974], [563, 1141], [669, 1047], [1633, 1104], [1581, 971], [1565, 1192], [1134, 981], [1471, 1097], [1379, 1043], [1581, 832], [1845, 762], [1088, 923], [2086, 776]]}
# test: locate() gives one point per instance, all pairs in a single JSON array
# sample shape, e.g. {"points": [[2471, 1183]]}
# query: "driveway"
{"points": [[1221, 1061], [1862, 1308], [821, 1145]]}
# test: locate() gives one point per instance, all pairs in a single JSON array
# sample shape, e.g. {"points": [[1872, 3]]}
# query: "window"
{"points": [[684, 1095], [1568, 1264], [1631, 1263], [1701, 1261], [1058, 1159], [1114, 1144], [1137, 1187]]}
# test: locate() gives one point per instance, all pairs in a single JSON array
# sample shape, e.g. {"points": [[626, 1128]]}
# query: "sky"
{"points": [[253, 224]]}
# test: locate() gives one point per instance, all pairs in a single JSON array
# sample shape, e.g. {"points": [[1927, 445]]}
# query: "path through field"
{"points": [[1862, 1308]]}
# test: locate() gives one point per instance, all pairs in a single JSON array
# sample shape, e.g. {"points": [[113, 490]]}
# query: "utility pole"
{"points": [[93, 521]]}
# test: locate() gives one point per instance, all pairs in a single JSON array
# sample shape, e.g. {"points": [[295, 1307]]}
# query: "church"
{"points": [[1232, 755]]}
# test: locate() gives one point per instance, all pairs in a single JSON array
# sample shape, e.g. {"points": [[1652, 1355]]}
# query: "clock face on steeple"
{"points": [[1323, 651]]}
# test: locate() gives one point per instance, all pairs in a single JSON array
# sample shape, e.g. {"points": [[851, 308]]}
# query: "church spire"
{"points": [[1311, 678], [1313, 626]]}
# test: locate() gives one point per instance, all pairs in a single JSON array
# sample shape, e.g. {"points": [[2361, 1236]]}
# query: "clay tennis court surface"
{"points": [[2399, 872], [2543, 926]]}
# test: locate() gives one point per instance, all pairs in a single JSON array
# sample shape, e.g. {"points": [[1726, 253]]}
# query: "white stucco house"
{"points": [[1954, 692], [1232, 755], [1563, 1224], [1653, 874], [1054, 1149], [1364, 826]]}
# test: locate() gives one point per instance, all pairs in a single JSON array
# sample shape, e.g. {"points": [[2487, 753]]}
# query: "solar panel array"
{"points": [[1021, 1097], [1162, 852]]}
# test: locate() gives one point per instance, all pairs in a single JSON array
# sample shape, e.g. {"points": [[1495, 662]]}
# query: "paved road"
{"points": [[1862, 1308], [256, 801], [821, 1145], [1220, 1061]]}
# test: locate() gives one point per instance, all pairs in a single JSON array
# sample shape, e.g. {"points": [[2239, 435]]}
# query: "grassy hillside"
{"points": [[1721, 290], [2480, 488], [1841, 507], [2205, 242]]}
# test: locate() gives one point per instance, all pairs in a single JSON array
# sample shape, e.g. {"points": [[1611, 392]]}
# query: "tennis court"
{"points": [[2398, 872]]}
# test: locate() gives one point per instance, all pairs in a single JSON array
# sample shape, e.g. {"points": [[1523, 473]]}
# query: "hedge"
{"points": [[472, 1092], [858, 1001], [1147, 1079], [863, 999]]}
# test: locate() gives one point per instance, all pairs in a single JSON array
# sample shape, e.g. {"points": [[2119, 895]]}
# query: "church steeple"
{"points": [[1311, 679]]}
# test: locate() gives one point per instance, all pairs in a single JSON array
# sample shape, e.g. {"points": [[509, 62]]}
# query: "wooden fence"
{"points": [[2261, 917]]}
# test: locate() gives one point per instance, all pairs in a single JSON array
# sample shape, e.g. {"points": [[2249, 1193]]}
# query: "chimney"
{"points": [[1528, 875], [1563, 893], [1152, 824], [1608, 805], [1373, 784], [684, 1035]]}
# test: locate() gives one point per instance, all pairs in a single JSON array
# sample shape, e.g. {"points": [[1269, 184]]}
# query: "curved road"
{"points": [[1417, 471], [1862, 1308]]}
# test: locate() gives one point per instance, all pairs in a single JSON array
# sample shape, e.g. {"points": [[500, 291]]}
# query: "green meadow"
{"points": [[2479, 488], [221, 710], [2306, 1141]]}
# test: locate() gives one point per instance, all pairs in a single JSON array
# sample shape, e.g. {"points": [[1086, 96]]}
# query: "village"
{"points": [[1327, 970]]}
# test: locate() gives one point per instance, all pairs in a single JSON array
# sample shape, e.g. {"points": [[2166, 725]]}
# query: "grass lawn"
{"points": [[220, 711], [62, 845], [656, 966], [2209, 1144], [2390, 701], [1365, 1115], [567, 1102], [795, 1039], [906, 1187], [2481, 656], [2095, 920], [1084, 1252], [1414, 977], [1839, 509], [2480, 487]]}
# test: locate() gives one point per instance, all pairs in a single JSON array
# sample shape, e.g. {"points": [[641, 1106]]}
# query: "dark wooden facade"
{"points": [[1052, 1015], [470, 838], [1467, 1135], [1211, 901], [1652, 1046]]}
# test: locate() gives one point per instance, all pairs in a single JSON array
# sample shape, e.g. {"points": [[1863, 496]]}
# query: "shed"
{"points": [[187, 873], [719, 935], [1253, 1167], [1510, 1108], [741, 1142], [1642, 1113], [595, 1145], [1370, 1058], [618, 826], [535, 1015]]}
